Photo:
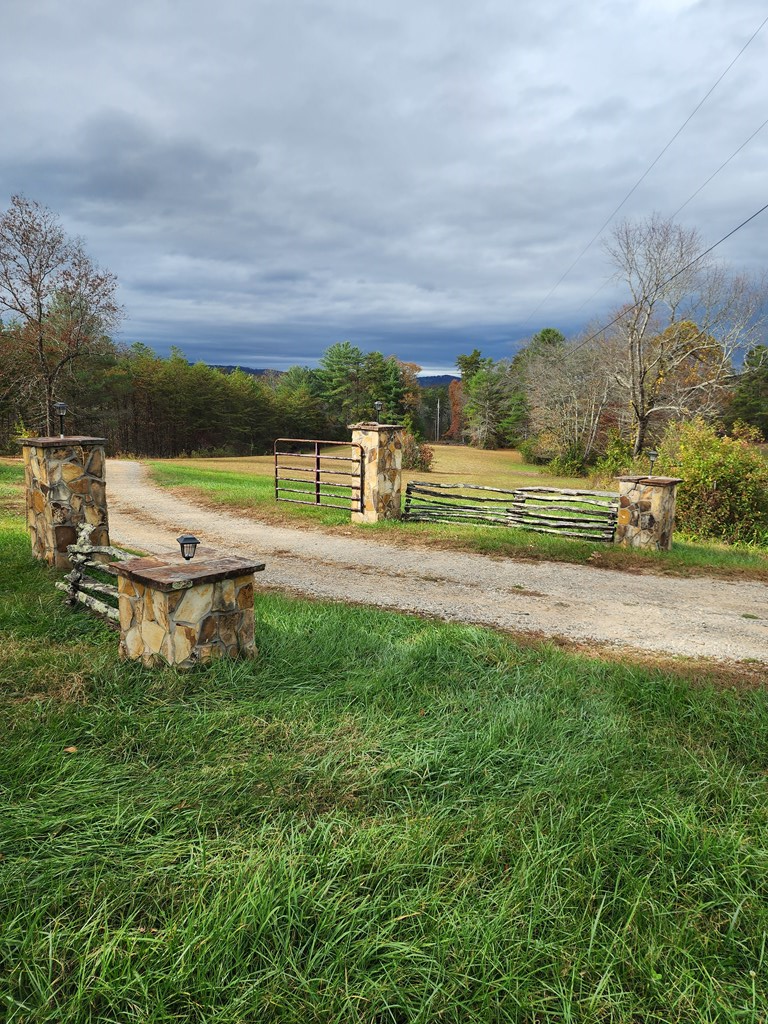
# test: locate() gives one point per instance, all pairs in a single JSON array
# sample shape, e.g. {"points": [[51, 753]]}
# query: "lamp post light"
{"points": [[652, 456], [378, 406], [188, 545], [60, 408]]}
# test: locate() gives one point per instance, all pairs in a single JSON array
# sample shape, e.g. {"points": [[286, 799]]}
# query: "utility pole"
{"points": [[437, 421]]}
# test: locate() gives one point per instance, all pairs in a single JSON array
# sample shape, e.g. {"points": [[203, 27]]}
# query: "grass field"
{"points": [[248, 485], [381, 820]]}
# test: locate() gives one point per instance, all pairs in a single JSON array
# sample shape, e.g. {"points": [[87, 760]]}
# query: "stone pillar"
{"points": [[382, 446], [646, 511], [65, 485], [186, 613]]}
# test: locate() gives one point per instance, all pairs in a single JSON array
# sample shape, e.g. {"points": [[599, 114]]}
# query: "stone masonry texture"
{"points": [[170, 614], [382, 446], [65, 487], [646, 517]]}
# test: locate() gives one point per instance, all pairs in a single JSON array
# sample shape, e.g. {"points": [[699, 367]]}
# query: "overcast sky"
{"points": [[267, 177]]}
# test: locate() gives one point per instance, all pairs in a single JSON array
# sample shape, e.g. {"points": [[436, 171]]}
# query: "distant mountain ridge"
{"points": [[245, 369], [439, 381], [436, 381]]}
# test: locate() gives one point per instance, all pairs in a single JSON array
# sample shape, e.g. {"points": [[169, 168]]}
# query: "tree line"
{"points": [[689, 342], [150, 405]]}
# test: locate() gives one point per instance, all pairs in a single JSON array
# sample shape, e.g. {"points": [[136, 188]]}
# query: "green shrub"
{"points": [[616, 458], [416, 454], [213, 452], [532, 452], [568, 463], [724, 493]]}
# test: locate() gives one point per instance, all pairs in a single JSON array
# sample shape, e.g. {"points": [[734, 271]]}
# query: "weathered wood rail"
{"points": [[81, 587], [586, 515]]}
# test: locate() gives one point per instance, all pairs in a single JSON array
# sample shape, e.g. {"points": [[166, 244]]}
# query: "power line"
{"points": [[671, 278], [722, 165], [644, 175], [688, 200]]}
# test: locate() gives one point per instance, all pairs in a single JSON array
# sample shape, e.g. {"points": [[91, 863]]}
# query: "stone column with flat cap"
{"points": [[646, 517], [382, 454], [65, 487], [186, 613]]}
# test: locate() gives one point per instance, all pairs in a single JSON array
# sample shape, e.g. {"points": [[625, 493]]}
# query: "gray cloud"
{"points": [[267, 178]]}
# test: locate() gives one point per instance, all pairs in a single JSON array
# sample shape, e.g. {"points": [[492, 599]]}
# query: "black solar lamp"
{"points": [[60, 408], [188, 545]]}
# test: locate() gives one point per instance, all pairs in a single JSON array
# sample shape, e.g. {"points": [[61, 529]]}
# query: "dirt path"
{"points": [[701, 617]]}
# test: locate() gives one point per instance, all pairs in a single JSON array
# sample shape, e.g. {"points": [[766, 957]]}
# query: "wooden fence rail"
{"points": [[81, 586], [586, 515]]}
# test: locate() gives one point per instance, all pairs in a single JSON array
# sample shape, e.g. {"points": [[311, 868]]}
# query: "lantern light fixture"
{"points": [[652, 456], [378, 406], [188, 545], [60, 408]]}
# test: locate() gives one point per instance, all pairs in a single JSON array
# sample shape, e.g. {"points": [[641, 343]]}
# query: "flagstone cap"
{"points": [[658, 481], [60, 442], [168, 572], [373, 425]]}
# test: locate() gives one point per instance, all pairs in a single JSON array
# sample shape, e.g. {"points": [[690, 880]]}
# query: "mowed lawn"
{"points": [[380, 820], [453, 463], [247, 485]]}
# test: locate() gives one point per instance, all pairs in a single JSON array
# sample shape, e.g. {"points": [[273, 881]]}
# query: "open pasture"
{"points": [[247, 485], [452, 463]]}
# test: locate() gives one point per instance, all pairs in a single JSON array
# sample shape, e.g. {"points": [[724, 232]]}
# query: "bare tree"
{"points": [[572, 395], [687, 322], [60, 305]]}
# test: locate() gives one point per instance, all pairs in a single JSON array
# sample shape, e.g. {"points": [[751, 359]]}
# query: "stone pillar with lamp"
{"points": [[382, 446], [178, 613], [65, 480]]}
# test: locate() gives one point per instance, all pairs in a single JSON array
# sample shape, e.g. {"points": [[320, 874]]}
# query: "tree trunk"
{"points": [[640, 432], [49, 407]]}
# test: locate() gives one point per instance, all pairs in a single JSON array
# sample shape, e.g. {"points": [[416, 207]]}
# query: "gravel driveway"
{"points": [[699, 617]]}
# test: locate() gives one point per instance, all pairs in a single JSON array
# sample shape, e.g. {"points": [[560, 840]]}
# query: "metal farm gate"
{"points": [[320, 481]]}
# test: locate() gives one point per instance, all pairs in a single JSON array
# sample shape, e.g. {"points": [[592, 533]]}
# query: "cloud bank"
{"points": [[268, 178]]}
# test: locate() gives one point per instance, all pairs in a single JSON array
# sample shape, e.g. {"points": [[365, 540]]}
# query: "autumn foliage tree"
{"points": [[59, 306], [456, 401], [686, 326]]}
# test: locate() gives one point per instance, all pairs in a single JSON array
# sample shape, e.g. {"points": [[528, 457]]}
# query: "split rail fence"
{"points": [[587, 515], [82, 586]]}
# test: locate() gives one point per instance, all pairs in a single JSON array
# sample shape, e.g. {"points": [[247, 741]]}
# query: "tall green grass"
{"points": [[11, 477], [379, 820]]}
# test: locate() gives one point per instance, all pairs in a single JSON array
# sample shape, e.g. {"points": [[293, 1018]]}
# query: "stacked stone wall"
{"points": [[186, 627]]}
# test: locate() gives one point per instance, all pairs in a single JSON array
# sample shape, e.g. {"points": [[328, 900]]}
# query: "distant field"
{"points": [[452, 463]]}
